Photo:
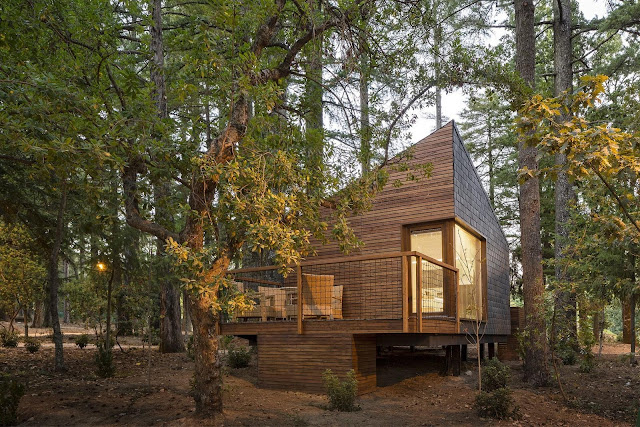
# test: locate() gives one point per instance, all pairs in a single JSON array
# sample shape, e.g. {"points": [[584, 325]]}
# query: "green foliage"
{"points": [[587, 362], [190, 348], [105, 367], [497, 404], [342, 394], [21, 269], [82, 340], [11, 391], [495, 375], [238, 357], [31, 344], [9, 338]]}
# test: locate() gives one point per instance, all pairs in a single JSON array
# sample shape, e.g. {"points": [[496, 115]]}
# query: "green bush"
{"points": [[11, 391], [9, 338], [587, 362], [190, 348], [495, 375], [104, 361], [498, 404], [342, 394], [82, 340], [238, 357], [32, 345]]}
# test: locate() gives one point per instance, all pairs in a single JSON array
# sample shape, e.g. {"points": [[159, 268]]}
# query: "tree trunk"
{"points": [[567, 326], [365, 77], [535, 367], [626, 320], [437, 41], [38, 315], [492, 179], [66, 316], [207, 386], [54, 281], [170, 328], [171, 340]]}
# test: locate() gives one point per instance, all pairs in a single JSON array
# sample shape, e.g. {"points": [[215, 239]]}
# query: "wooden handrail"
{"points": [[338, 260]]}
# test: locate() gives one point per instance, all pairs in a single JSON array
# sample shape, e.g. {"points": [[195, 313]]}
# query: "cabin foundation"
{"points": [[297, 362]]}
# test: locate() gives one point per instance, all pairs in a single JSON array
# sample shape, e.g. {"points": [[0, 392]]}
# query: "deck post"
{"points": [[300, 300], [405, 294], [465, 350], [492, 350], [419, 294], [457, 294], [452, 362], [481, 351]]}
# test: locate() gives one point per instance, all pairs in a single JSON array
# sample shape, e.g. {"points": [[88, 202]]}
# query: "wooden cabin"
{"points": [[435, 264]]}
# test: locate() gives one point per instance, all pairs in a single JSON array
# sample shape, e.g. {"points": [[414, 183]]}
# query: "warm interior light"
{"points": [[101, 266]]}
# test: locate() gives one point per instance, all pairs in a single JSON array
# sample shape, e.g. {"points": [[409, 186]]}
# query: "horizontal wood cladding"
{"points": [[426, 199], [337, 327], [296, 362]]}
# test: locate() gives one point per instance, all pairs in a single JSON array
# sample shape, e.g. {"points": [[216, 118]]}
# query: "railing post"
{"points": [[455, 305], [300, 311], [419, 294], [405, 293]]}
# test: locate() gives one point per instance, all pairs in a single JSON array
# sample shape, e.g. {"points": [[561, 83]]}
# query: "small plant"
{"points": [[32, 345], [587, 362], [225, 341], [498, 404], [104, 361], [190, 348], [11, 391], [495, 375], [9, 338], [342, 394], [82, 341], [238, 357]]}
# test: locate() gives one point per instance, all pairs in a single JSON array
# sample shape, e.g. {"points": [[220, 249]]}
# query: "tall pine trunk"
{"points": [[54, 281], [170, 328], [535, 366], [566, 300]]}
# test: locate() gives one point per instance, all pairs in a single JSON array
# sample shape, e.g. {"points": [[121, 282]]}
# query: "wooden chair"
{"points": [[275, 301], [317, 295]]}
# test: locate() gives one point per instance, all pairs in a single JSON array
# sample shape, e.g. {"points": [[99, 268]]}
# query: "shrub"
{"points": [[587, 362], [82, 340], [495, 375], [497, 404], [342, 394], [11, 391], [238, 357], [32, 345], [104, 361], [190, 348], [9, 338]]}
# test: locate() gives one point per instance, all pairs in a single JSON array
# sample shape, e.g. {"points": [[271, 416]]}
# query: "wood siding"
{"points": [[296, 362], [424, 200]]}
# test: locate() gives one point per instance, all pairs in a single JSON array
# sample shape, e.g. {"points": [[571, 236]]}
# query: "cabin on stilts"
{"points": [[434, 265]]}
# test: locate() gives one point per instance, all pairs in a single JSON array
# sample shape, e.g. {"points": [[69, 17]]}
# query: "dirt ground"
{"points": [[153, 389]]}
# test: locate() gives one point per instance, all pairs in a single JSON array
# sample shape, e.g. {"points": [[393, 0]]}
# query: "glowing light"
{"points": [[101, 266]]}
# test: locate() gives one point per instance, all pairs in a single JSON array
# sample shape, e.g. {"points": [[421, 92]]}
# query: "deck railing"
{"points": [[389, 286]]}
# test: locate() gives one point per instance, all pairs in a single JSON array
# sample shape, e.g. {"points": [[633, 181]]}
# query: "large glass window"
{"points": [[428, 242], [468, 255]]}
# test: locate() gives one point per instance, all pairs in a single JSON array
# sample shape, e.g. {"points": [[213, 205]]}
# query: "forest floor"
{"points": [[153, 389]]}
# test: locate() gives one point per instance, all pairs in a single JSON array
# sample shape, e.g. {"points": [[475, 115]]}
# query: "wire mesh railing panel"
{"points": [[363, 289], [356, 289], [272, 297], [438, 290]]}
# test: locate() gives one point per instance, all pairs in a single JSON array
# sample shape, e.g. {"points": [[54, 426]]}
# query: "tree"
{"points": [[536, 369]]}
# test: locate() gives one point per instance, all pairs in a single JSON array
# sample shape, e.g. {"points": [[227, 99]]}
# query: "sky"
{"points": [[454, 103]]}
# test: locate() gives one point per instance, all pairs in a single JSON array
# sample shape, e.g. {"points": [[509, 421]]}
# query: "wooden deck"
{"points": [[395, 292]]}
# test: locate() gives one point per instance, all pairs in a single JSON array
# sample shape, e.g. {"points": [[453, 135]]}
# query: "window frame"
{"points": [[447, 227]]}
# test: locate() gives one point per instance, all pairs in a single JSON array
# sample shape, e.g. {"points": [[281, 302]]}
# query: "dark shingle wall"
{"points": [[473, 207]]}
